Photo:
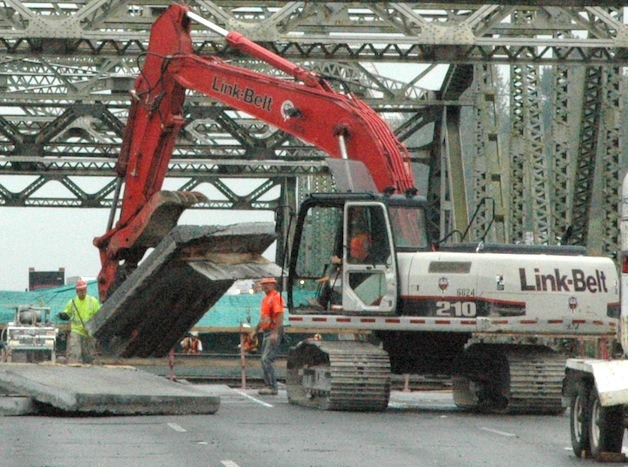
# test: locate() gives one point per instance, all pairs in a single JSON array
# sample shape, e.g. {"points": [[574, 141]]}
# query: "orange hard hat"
{"points": [[81, 285], [268, 280]]}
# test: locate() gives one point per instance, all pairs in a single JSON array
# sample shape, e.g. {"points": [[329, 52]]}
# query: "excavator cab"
{"points": [[368, 265], [344, 257]]}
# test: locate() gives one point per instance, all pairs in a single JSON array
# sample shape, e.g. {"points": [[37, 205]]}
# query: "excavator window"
{"points": [[368, 255], [345, 260], [321, 240], [409, 228], [367, 239]]}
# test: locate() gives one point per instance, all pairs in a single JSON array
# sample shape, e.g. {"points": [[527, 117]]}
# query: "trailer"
{"points": [[596, 390]]}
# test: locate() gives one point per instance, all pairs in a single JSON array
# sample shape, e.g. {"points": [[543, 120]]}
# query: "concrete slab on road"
{"points": [[104, 390]]}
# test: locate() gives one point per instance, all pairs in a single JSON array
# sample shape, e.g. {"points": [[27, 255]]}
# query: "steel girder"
{"points": [[586, 158], [488, 194], [437, 31], [66, 67], [567, 98], [530, 194], [454, 214], [597, 202]]}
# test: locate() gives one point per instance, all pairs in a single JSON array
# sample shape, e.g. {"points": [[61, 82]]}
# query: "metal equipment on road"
{"points": [[596, 390], [500, 319], [30, 337]]}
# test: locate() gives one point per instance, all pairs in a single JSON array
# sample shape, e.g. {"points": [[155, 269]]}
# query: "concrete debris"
{"points": [[98, 390], [186, 274]]}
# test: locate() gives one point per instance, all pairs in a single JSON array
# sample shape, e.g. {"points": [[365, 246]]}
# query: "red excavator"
{"points": [[497, 318], [302, 105]]}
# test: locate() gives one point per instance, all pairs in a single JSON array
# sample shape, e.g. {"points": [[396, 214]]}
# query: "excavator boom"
{"points": [[341, 125], [302, 104]]}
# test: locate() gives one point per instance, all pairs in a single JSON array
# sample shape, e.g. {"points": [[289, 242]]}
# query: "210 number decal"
{"points": [[460, 309]]}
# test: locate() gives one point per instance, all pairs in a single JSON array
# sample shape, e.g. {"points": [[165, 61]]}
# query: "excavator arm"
{"points": [[306, 107]]}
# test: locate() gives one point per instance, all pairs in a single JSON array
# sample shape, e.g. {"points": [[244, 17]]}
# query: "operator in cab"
{"points": [[360, 244]]}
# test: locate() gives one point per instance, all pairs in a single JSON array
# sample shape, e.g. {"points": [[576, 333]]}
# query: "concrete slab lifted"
{"points": [[188, 271], [98, 390]]}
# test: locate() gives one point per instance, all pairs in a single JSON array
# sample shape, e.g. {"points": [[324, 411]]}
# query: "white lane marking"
{"points": [[177, 427], [503, 433], [412, 405], [242, 393], [228, 463]]}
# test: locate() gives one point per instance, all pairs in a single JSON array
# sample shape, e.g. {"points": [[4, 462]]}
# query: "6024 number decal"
{"points": [[461, 309]]}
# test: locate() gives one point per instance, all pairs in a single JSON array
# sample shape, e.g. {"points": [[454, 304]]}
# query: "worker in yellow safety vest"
{"points": [[81, 347]]}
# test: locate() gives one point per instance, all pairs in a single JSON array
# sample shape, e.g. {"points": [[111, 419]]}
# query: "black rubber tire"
{"points": [[579, 427], [605, 426]]}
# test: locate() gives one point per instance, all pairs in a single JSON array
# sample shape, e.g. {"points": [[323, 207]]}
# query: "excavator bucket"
{"points": [[189, 270]]}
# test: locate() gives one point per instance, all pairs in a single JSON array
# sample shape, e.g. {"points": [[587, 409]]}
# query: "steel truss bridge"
{"points": [[525, 124]]}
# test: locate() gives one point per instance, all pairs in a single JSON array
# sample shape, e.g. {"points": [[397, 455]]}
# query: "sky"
{"points": [[51, 238]]}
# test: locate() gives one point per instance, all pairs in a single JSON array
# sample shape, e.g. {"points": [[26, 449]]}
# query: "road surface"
{"points": [[419, 428]]}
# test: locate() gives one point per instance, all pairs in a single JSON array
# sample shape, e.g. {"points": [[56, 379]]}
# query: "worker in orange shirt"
{"points": [[271, 325], [360, 244], [192, 344], [359, 247]]}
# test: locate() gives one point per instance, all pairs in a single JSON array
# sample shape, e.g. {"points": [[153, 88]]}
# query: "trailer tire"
{"points": [[605, 426], [578, 420]]}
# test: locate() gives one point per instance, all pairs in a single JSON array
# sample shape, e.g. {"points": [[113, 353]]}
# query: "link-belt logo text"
{"points": [[575, 280], [246, 95]]}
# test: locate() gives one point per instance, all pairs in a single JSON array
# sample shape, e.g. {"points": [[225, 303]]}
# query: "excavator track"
{"points": [[343, 376], [536, 383], [513, 380]]}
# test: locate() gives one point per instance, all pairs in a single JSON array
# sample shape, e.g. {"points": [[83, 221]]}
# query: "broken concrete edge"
{"points": [[15, 405], [36, 391], [11, 405], [183, 234], [144, 406]]}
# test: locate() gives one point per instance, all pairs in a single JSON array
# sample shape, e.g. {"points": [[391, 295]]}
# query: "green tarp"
{"points": [[229, 311]]}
